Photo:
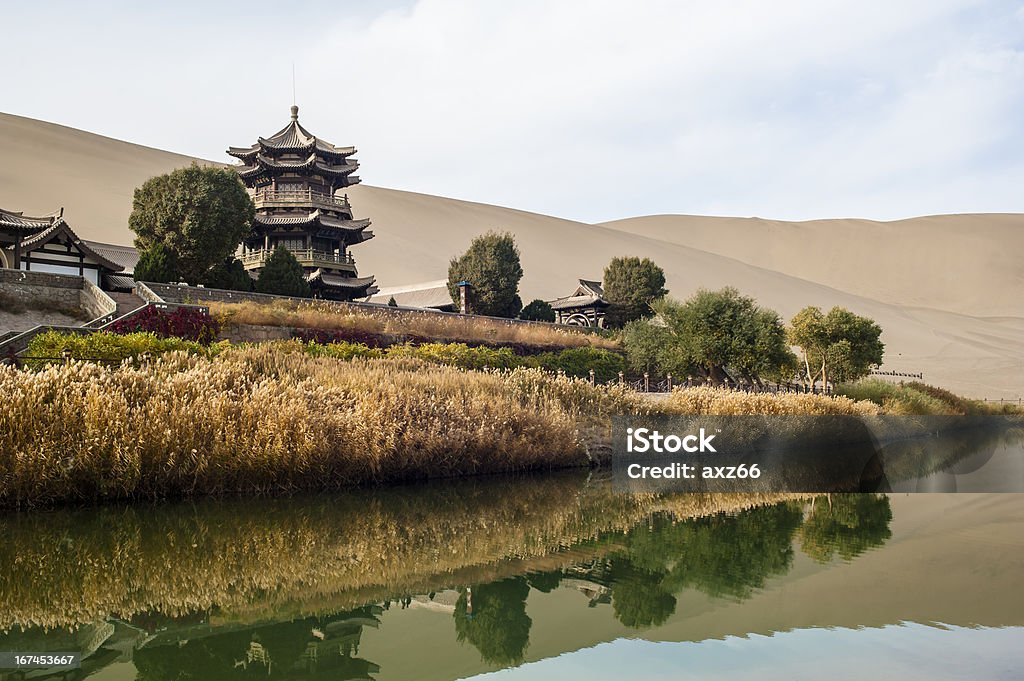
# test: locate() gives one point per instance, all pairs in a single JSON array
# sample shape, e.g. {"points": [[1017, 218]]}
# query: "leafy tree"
{"points": [[631, 284], [229, 274], [492, 267], [158, 264], [538, 311], [653, 348], [719, 331], [200, 214], [282, 275], [839, 346], [497, 625]]}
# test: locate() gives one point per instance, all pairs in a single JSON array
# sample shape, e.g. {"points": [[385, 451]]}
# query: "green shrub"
{"points": [[575, 362], [105, 346], [579, 361], [458, 355], [911, 398], [343, 351]]}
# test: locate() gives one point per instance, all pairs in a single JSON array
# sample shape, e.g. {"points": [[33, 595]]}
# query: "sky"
{"points": [[584, 109]]}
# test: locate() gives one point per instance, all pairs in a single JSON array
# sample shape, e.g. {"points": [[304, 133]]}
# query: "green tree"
{"points": [[492, 267], [282, 275], [538, 311], [631, 284], [199, 214], [158, 264], [228, 274], [716, 332], [654, 348], [836, 347]]}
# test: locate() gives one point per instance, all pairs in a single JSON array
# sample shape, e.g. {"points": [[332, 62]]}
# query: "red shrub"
{"points": [[189, 323]]}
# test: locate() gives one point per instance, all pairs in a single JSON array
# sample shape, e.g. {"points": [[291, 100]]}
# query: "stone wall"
{"points": [[33, 290], [94, 302], [255, 333], [30, 299]]}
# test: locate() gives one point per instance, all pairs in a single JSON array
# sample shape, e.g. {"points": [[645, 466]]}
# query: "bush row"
{"points": [[576, 362], [105, 346]]}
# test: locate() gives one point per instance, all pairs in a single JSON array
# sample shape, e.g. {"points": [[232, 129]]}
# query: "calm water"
{"points": [[535, 578]]}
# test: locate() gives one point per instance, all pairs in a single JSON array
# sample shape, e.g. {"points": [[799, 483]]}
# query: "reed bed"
{"points": [[262, 560], [720, 402], [264, 418], [387, 322]]}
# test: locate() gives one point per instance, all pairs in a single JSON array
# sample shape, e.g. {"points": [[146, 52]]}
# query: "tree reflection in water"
{"points": [[638, 558], [724, 556], [493, 618]]}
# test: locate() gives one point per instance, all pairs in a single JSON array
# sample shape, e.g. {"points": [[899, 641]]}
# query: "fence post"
{"points": [[66, 354], [593, 380], [669, 377], [647, 382], [621, 378]]}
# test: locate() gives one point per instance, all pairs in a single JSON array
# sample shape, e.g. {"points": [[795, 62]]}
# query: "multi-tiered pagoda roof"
{"points": [[294, 178]]}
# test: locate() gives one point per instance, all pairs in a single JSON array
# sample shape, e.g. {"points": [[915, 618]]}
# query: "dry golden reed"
{"points": [[443, 328], [273, 418], [720, 402]]}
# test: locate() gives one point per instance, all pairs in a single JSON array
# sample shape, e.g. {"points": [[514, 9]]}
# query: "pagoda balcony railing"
{"points": [[307, 257], [270, 198]]}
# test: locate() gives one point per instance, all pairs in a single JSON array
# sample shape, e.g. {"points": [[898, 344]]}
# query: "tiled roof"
{"points": [[429, 294], [125, 256]]}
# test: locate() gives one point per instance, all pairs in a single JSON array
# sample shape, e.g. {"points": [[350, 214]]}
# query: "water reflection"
{"points": [[288, 588]]}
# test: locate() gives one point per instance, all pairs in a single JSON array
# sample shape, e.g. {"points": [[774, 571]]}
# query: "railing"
{"points": [[304, 256], [269, 197]]}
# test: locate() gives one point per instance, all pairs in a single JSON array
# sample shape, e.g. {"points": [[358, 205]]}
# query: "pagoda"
{"points": [[293, 178]]}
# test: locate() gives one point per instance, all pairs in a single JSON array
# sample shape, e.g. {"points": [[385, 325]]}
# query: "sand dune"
{"points": [[962, 263], [945, 289]]}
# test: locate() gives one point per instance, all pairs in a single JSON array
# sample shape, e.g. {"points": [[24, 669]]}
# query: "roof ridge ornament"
{"points": [[295, 113]]}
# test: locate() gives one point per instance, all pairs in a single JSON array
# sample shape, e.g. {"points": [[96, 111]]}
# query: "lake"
{"points": [[537, 577]]}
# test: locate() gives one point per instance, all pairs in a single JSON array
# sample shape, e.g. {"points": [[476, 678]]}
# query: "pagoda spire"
{"points": [[295, 113]]}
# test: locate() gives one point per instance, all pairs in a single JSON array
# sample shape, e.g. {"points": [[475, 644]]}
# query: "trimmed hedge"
{"points": [[105, 346], [575, 362]]}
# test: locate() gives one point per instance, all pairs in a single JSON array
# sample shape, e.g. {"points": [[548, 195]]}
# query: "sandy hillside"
{"points": [[955, 319], [963, 263]]}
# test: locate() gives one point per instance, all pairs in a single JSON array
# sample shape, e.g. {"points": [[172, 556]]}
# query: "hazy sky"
{"points": [[584, 109]]}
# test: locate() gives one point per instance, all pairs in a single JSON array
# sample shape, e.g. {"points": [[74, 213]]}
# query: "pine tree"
{"points": [[282, 275]]}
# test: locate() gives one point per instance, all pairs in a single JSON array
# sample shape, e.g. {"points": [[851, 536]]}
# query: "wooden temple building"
{"points": [[294, 179], [48, 244], [585, 306]]}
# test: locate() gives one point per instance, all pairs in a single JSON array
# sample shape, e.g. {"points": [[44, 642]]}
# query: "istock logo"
{"points": [[643, 440]]}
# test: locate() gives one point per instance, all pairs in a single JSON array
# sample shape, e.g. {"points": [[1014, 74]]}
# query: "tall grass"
{"points": [[917, 398], [457, 328], [264, 418], [721, 402]]}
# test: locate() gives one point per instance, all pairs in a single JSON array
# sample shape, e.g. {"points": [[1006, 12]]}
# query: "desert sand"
{"points": [[945, 289]]}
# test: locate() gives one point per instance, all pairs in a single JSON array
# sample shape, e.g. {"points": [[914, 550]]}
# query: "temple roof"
{"points": [[353, 284], [292, 137], [43, 230], [428, 294], [323, 221], [11, 221], [260, 163], [588, 294]]}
